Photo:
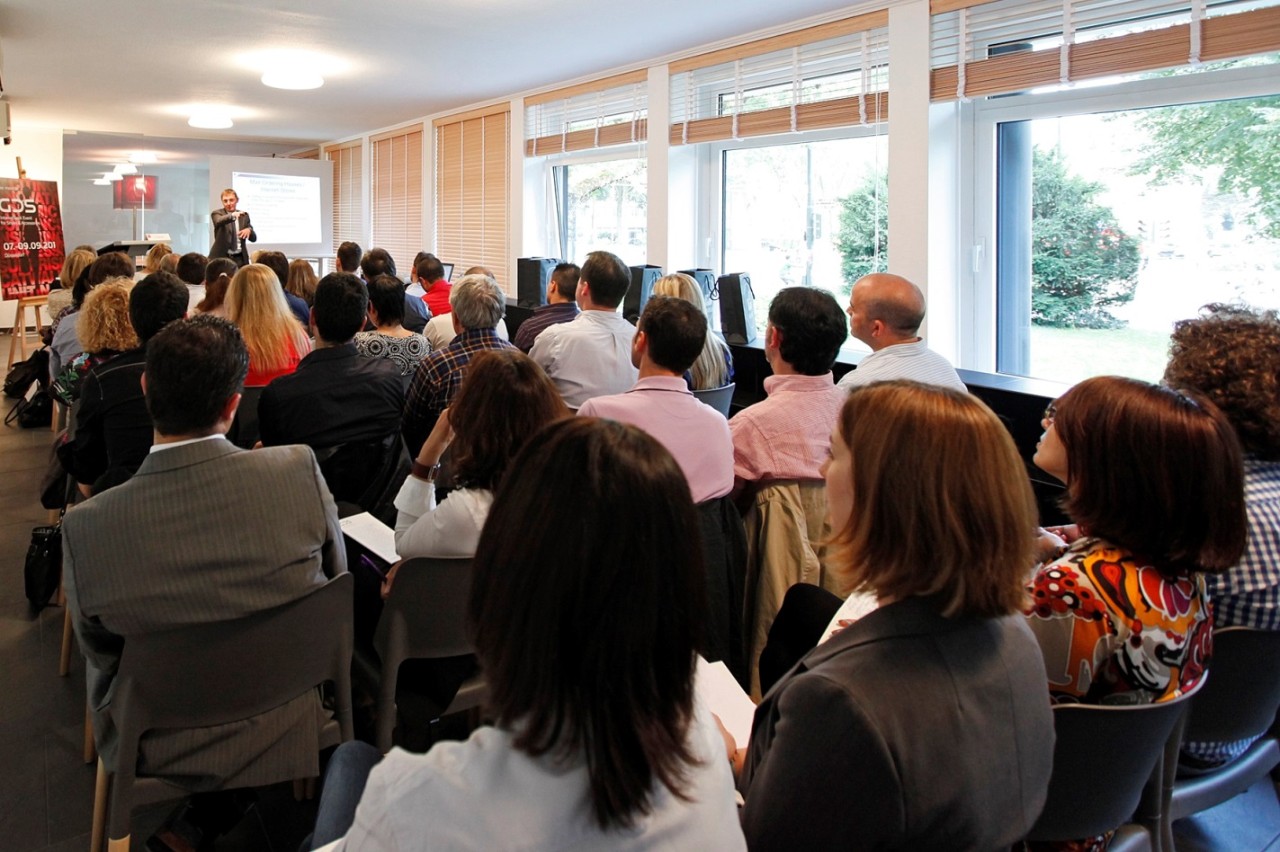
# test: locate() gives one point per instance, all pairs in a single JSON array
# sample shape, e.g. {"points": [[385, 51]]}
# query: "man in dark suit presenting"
{"points": [[204, 532], [231, 230]]}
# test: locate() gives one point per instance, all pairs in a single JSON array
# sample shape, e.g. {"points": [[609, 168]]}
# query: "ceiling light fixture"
{"points": [[292, 78], [143, 158], [210, 120], [112, 177], [102, 182], [126, 169]]}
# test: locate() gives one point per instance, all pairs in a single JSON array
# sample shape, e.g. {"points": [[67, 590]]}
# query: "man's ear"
{"points": [[228, 413]]}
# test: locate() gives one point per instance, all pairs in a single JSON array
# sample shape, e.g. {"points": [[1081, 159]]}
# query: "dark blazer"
{"points": [[113, 429], [203, 532], [906, 730], [224, 235]]}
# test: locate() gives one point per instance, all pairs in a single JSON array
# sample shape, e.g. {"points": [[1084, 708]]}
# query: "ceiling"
{"points": [[140, 69]]}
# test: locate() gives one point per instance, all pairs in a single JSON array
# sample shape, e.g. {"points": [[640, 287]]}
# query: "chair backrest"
{"points": [[718, 398], [1087, 798], [213, 674], [244, 429], [425, 615], [357, 469], [1242, 695]]}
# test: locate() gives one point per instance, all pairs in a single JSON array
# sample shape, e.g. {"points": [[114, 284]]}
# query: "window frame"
{"points": [[979, 122], [588, 156]]}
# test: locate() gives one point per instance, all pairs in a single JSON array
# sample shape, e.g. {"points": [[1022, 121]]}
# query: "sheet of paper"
{"points": [[720, 692], [373, 534]]}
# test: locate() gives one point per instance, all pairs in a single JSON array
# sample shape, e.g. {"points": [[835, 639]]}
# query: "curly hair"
{"points": [[103, 324], [1231, 354]]}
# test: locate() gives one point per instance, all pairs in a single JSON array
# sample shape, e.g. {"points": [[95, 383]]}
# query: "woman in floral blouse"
{"points": [[1155, 485]]}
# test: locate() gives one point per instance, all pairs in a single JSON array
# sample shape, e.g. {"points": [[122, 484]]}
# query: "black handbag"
{"points": [[24, 374], [33, 413], [43, 571]]}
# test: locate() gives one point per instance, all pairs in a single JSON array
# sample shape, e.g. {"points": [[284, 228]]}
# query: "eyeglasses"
{"points": [[1050, 412]]}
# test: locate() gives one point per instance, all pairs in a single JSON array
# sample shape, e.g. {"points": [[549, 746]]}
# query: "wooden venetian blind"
{"points": [[612, 111], [987, 48], [831, 75], [347, 191], [397, 194], [472, 192], [309, 154]]}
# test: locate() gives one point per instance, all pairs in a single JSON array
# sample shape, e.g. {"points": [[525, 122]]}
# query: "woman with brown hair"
{"points": [[586, 623], [504, 399], [155, 257], [217, 278], [274, 337], [924, 724], [302, 280], [1156, 490]]}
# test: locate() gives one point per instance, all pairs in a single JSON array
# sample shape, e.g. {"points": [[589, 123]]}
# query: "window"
{"points": [[1120, 212], [397, 194], [602, 206], [804, 213], [348, 166], [472, 189]]}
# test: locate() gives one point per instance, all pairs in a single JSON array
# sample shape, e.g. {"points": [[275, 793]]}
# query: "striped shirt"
{"points": [[913, 361]]}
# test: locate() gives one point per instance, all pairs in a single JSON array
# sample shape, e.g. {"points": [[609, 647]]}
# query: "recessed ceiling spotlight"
{"points": [[126, 169], [292, 78], [210, 120], [112, 177]]}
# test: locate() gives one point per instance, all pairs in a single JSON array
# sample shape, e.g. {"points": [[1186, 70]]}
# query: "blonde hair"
{"points": [[103, 323], [711, 369], [73, 265], [302, 280], [942, 502], [158, 253], [255, 302]]}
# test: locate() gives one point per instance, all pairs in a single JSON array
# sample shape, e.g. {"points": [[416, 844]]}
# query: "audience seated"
{"points": [[66, 341], [885, 312], [302, 280], [921, 725], [60, 292], [113, 431], [561, 306], [274, 337], [668, 339], [586, 623], [155, 255], [205, 532], [1231, 355], [591, 355], [279, 264], [503, 400], [190, 271], [440, 332], [335, 397], [389, 338], [379, 262], [714, 367], [1155, 485], [217, 279], [104, 330], [788, 434], [348, 257], [478, 306], [435, 287]]}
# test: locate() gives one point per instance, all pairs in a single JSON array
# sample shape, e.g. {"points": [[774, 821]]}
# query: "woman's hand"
{"points": [[841, 625], [390, 578], [1048, 544], [1068, 532], [737, 756]]}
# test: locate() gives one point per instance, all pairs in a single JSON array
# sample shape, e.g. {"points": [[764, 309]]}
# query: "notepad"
{"points": [[720, 692], [371, 533]]}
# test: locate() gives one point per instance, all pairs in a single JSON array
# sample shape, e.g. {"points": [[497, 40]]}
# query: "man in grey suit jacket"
{"points": [[204, 532]]}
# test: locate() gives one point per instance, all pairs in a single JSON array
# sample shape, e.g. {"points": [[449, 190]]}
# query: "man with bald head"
{"points": [[885, 312]]}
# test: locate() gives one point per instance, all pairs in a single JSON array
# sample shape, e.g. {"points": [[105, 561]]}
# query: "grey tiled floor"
{"points": [[46, 790]]}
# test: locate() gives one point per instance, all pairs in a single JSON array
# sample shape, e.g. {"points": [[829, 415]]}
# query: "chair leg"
{"points": [[64, 662], [99, 830], [90, 748]]}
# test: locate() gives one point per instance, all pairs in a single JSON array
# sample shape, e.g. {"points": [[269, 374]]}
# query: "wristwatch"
{"points": [[423, 471]]}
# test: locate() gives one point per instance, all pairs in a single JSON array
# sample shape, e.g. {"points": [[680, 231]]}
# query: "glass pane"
{"points": [[809, 213], [606, 209], [1139, 218]]}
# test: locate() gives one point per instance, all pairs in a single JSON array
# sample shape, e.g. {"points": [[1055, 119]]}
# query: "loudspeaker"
{"points": [[737, 307], [642, 281], [533, 274]]}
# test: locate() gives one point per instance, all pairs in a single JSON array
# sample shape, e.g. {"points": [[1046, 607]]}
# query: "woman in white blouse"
{"points": [[504, 399]]}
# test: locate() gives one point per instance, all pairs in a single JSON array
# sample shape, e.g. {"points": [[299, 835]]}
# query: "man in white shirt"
{"points": [[885, 312], [591, 356]]}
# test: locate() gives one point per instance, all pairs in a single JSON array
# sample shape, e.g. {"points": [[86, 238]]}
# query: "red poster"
{"points": [[32, 249]]}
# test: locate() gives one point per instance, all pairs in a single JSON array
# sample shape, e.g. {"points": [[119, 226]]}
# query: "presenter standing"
{"points": [[231, 229]]}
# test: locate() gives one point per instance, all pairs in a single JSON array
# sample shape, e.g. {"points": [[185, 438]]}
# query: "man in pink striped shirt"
{"points": [[788, 434]]}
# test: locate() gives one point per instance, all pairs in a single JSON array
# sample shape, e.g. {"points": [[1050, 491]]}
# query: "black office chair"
{"points": [[244, 429], [1087, 798]]}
